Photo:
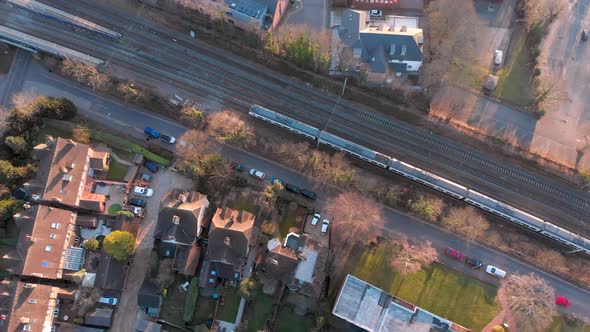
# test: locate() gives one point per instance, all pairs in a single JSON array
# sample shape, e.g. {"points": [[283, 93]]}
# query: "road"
{"points": [[131, 119], [208, 73]]}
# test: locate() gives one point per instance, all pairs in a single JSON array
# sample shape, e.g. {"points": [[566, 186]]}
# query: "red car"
{"points": [[562, 300], [455, 253]]}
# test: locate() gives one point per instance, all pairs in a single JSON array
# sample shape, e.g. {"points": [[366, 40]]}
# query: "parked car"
{"points": [[145, 177], [168, 138], [562, 301], [273, 179], [293, 188], [585, 35], [257, 174], [496, 272], [309, 194], [475, 264], [237, 167], [315, 219], [498, 57], [150, 165], [184, 286], [151, 132], [137, 210], [376, 13], [109, 300], [142, 191], [325, 224], [454, 253], [137, 202]]}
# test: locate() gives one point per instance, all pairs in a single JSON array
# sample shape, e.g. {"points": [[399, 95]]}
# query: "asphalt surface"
{"points": [[123, 117], [200, 69]]}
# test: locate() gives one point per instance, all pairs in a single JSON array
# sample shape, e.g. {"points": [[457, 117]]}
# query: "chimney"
{"points": [[176, 220], [240, 216], [70, 165], [24, 320], [29, 285], [227, 241], [182, 198]]}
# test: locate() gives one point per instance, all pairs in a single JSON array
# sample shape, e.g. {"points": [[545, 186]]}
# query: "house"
{"points": [[101, 317], [230, 237], [47, 242], [382, 48], [374, 310], [147, 326], [111, 273], [253, 15], [149, 299], [65, 176], [33, 307]]}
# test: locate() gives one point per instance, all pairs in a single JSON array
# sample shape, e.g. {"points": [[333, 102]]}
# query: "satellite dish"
{"points": [[272, 244]]}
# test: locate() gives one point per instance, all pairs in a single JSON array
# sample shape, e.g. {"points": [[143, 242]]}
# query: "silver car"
{"points": [[257, 174]]}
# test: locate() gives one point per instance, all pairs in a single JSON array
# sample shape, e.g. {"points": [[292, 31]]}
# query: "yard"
{"points": [[290, 213], [288, 321], [172, 308], [466, 74], [204, 310], [243, 203], [228, 308], [559, 325], [515, 76], [439, 289], [123, 154], [116, 171], [258, 311]]}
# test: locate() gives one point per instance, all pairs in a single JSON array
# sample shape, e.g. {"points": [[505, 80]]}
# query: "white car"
{"points": [[496, 272], [376, 13], [141, 191], [109, 300], [316, 218], [168, 138], [325, 224], [257, 174], [498, 57], [138, 211]]}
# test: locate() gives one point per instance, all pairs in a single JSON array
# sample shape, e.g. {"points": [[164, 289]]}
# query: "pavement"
{"points": [[120, 115]]}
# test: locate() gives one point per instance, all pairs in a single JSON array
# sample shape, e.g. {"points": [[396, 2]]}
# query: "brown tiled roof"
{"points": [[229, 237], [187, 260], [280, 264], [111, 273], [87, 221], [32, 305], [45, 246], [99, 317]]}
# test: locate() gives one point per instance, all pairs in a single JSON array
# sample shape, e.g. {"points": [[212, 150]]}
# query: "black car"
{"points": [[475, 264], [137, 202], [293, 188], [585, 35], [150, 165], [309, 194], [237, 167]]}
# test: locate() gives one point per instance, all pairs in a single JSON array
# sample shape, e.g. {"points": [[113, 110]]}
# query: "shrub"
{"points": [[193, 117], [429, 208], [8, 207], [126, 214], [17, 144], [119, 244], [56, 108], [9, 174], [81, 135], [91, 244], [537, 72]]}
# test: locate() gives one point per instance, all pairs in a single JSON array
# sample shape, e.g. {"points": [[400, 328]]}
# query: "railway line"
{"points": [[194, 67]]}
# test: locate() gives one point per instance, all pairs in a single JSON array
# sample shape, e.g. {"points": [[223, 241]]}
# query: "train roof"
{"points": [[353, 147], [272, 116]]}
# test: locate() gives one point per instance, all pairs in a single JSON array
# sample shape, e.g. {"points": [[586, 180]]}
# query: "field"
{"points": [[514, 78], [438, 289]]}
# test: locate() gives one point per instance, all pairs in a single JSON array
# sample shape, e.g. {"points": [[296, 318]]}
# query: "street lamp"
{"points": [[332, 112]]}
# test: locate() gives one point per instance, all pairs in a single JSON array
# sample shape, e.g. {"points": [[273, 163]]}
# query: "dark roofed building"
{"points": [[181, 216], [99, 317], [149, 298], [111, 273], [147, 326], [87, 221], [187, 259], [262, 15]]}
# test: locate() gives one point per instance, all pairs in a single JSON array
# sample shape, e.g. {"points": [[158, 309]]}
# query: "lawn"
{"points": [[53, 132], [514, 77], [288, 321], [114, 208], [466, 74], [438, 289], [116, 171], [258, 311], [204, 311], [559, 325], [123, 154], [172, 308], [243, 203], [229, 309]]}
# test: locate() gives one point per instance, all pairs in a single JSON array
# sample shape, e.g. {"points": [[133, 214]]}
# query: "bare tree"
{"points": [[466, 221], [231, 128], [271, 193], [553, 260], [195, 143], [531, 300], [356, 218], [410, 258], [85, 74]]}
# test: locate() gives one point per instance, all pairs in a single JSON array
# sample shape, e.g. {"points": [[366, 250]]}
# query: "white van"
{"points": [[496, 272]]}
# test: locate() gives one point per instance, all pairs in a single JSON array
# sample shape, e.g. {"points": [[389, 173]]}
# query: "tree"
{"points": [[91, 244], [9, 174], [271, 193], [552, 260], [355, 218], [196, 143], [81, 135], [78, 276], [531, 301], [247, 286], [193, 116], [229, 127], [466, 221], [126, 214], [429, 208], [85, 74], [119, 244], [55, 108], [408, 258], [17, 144], [8, 208]]}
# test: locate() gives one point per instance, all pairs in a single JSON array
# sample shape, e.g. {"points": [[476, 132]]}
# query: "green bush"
{"points": [[429, 208], [9, 174], [190, 302], [91, 244], [119, 244], [56, 108], [537, 72], [17, 144], [8, 207]]}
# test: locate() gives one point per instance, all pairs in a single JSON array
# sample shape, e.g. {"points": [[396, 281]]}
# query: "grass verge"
{"points": [[259, 311], [116, 171], [190, 303], [514, 78], [439, 289]]}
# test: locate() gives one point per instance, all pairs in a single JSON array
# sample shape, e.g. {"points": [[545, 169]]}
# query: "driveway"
{"points": [[313, 13]]}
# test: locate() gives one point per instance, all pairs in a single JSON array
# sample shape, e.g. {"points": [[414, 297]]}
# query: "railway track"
{"points": [[244, 83]]}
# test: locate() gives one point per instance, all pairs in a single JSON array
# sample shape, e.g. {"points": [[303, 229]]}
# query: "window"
{"points": [[44, 264], [404, 49], [26, 327], [32, 301], [54, 225], [48, 248], [52, 236]]}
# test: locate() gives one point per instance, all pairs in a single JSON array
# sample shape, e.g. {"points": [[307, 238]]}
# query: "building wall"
{"points": [[415, 65]]}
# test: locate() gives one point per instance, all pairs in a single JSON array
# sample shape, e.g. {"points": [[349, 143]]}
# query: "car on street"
{"points": [[585, 35], [150, 165], [498, 57], [496, 272], [456, 254], [109, 300], [325, 224], [475, 264], [562, 301], [145, 177], [168, 138], [257, 174], [151, 132], [376, 13], [273, 179], [315, 219], [138, 202], [142, 191], [309, 194], [293, 188], [237, 167]]}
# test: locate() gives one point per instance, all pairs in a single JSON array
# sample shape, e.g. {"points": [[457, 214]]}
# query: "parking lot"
{"points": [[315, 230]]}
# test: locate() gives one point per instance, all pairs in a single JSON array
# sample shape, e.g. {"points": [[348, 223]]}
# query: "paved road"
{"points": [[236, 83], [398, 223]]}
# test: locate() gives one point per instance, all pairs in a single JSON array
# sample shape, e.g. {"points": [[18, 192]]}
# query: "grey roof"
{"points": [[88, 329], [352, 22], [99, 317], [111, 273], [147, 326], [149, 295], [186, 229], [380, 47]]}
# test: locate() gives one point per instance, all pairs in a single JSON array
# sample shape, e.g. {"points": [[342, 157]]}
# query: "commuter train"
{"points": [[510, 213]]}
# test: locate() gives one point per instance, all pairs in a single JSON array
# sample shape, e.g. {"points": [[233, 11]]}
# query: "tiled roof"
{"points": [[229, 237], [179, 220], [32, 305]]}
